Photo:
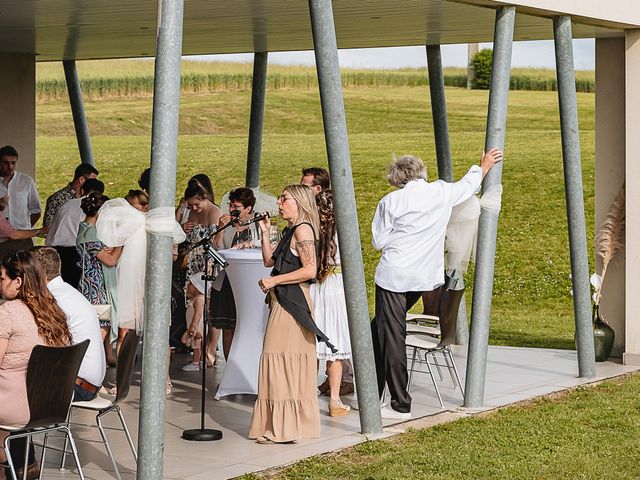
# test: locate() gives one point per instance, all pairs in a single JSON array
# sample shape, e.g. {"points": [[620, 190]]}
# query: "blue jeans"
{"points": [[81, 395]]}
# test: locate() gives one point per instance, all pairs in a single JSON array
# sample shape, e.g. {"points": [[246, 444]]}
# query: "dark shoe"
{"points": [[346, 388], [33, 472], [324, 387]]}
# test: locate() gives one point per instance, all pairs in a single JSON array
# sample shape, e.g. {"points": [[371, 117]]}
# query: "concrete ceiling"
{"points": [[93, 29]]}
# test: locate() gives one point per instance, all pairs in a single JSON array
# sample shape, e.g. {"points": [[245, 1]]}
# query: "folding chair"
{"points": [[51, 378], [102, 406], [425, 340]]}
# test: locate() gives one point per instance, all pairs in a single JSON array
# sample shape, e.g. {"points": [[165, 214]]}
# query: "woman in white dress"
{"points": [[330, 310]]}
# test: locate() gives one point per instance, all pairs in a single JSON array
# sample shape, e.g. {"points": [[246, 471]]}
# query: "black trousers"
{"points": [[389, 332], [69, 259]]}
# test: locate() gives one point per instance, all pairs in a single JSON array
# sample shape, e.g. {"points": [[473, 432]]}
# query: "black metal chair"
{"points": [[444, 305], [103, 406], [51, 378]]}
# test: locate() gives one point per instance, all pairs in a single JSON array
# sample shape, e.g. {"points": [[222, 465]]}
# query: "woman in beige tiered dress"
{"points": [[287, 406]]}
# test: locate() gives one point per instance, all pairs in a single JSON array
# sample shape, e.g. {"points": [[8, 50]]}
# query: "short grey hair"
{"points": [[405, 169]]}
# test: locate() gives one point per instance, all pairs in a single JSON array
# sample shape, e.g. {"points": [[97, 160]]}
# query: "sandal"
{"points": [[169, 387], [265, 441], [338, 409]]}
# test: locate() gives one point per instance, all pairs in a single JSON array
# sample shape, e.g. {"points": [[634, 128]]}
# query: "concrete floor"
{"points": [[513, 374]]}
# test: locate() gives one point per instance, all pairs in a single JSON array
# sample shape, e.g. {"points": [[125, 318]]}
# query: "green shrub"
{"points": [[481, 63]]}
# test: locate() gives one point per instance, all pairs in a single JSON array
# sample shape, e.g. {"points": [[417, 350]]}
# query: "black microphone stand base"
{"points": [[202, 435]]}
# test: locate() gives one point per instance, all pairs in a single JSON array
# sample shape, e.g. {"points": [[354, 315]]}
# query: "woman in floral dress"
{"points": [[98, 281]]}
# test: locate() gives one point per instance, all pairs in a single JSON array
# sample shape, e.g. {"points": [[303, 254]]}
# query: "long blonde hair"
{"points": [[307, 208]]}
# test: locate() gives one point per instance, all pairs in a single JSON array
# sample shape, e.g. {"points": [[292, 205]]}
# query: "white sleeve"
{"points": [[468, 185], [33, 201], [382, 225]]}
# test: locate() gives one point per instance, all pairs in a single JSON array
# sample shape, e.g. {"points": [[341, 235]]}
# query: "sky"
{"points": [[525, 54]]}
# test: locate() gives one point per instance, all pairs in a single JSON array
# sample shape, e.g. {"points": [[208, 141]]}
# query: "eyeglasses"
{"points": [[284, 198]]}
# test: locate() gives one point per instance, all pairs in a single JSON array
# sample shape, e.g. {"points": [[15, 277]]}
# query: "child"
{"points": [[195, 309]]}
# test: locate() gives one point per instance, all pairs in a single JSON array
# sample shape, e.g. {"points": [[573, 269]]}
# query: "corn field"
{"points": [[139, 86]]}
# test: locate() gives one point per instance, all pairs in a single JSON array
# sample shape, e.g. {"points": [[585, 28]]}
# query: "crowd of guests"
{"points": [[94, 256]]}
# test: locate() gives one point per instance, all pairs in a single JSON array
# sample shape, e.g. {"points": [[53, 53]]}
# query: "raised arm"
{"points": [[267, 249], [305, 245], [470, 183]]}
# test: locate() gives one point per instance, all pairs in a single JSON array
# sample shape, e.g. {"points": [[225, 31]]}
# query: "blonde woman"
{"points": [[287, 406]]}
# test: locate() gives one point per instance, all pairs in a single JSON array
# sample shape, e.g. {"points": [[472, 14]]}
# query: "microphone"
{"points": [[256, 218]]}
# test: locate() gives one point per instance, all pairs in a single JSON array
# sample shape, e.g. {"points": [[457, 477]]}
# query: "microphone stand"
{"points": [[203, 434]]}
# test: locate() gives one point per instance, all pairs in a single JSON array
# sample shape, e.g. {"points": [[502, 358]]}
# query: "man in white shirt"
{"points": [[64, 230], [83, 323], [409, 227], [23, 210]]}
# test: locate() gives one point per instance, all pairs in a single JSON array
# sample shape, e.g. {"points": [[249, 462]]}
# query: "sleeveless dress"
{"points": [[287, 405], [330, 314]]}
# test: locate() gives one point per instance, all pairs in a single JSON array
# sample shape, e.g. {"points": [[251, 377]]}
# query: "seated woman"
{"points": [[287, 406], [29, 317], [223, 307]]}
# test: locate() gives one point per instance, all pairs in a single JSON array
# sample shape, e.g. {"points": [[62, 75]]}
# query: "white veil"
{"points": [[119, 224], [462, 230]]}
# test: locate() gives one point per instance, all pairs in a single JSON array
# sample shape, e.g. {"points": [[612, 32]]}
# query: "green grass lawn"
{"points": [[532, 302], [588, 433]]}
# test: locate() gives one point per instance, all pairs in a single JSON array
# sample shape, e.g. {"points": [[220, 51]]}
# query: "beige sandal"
{"points": [[338, 409]]}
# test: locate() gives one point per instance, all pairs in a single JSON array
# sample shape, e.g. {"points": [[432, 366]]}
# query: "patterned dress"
{"points": [[94, 283]]}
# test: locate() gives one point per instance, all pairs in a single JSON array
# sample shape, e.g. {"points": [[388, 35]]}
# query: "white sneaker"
{"points": [[192, 367], [390, 414], [353, 403]]}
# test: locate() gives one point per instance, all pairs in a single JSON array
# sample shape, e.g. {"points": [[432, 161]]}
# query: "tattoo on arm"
{"points": [[307, 251]]}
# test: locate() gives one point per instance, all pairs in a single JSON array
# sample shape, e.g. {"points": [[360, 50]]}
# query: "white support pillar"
{"points": [[18, 100], [610, 171], [632, 168]]}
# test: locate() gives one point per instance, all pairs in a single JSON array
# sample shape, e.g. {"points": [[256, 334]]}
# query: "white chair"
{"points": [[103, 406]]}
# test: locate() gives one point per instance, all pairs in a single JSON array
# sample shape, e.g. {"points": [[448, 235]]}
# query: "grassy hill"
{"points": [[532, 302]]}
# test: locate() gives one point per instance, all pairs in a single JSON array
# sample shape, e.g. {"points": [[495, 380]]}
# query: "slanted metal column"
{"points": [[164, 147], [443, 151], [488, 224], [335, 132], [439, 113], [256, 121], [77, 111], [574, 196]]}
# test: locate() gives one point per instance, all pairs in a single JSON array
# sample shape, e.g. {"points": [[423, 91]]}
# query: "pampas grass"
{"points": [[610, 238]]}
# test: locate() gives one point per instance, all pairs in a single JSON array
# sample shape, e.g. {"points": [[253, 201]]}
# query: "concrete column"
{"points": [[472, 49], [77, 110], [337, 141], [610, 171], [256, 120], [488, 223], [18, 101], [572, 166], [632, 168], [164, 148], [443, 151]]}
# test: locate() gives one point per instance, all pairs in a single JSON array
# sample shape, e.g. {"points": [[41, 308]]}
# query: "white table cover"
{"points": [[241, 370]]}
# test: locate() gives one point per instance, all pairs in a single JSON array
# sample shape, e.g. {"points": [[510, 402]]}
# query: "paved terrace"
{"points": [[513, 375]]}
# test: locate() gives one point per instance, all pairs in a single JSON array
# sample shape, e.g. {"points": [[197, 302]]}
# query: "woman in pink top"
{"points": [[29, 317]]}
